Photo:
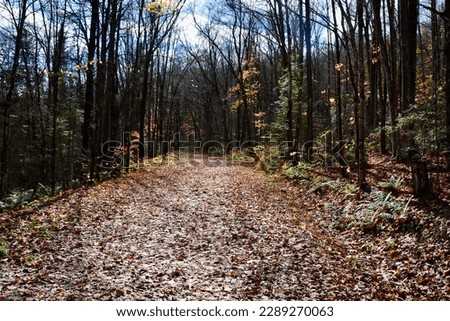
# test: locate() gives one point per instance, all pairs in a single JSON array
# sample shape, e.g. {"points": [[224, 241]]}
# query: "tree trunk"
{"points": [[360, 105], [54, 81], [373, 55], [408, 10], [421, 183], [309, 83], [111, 125], [90, 82], [393, 77], [447, 75], [100, 85], [384, 59], [338, 67], [300, 66], [383, 103], [290, 121]]}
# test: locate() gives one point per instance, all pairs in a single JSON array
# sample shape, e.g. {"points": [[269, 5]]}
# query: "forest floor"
{"points": [[188, 231]]}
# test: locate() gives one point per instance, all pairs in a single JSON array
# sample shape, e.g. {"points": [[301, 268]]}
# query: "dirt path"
{"points": [[182, 232]]}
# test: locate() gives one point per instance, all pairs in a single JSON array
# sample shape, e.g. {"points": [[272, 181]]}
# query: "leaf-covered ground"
{"points": [[218, 233]]}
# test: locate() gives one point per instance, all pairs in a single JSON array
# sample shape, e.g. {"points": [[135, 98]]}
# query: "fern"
{"points": [[393, 185], [379, 212], [15, 200]]}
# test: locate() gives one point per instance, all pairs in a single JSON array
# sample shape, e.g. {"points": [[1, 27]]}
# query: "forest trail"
{"points": [[188, 231]]}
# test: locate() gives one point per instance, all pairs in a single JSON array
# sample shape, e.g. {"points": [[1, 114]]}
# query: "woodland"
{"points": [[224, 150]]}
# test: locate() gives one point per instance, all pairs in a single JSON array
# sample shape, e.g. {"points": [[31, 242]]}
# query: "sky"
{"points": [[192, 7]]}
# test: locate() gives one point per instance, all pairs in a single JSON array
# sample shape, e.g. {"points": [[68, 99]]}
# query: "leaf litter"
{"points": [[184, 232]]}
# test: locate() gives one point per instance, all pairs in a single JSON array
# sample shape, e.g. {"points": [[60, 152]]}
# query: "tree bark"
{"points": [[408, 10], [384, 59], [421, 182], [360, 105], [309, 83], [55, 82], [338, 67], [90, 80], [111, 123], [447, 76]]}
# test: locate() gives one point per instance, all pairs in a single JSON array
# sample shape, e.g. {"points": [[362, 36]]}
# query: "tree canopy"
{"points": [[77, 76]]}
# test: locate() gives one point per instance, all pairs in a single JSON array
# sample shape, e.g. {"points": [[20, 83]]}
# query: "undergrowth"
{"points": [[16, 199], [239, 155], [301, 171], [393, 184], [379, 211], [268, 159], [26, 198]]}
